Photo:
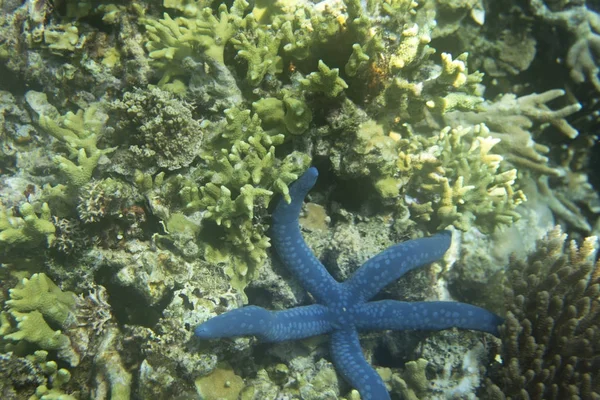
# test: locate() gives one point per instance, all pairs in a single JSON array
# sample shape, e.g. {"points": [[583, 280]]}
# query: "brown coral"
{"points": [[551, 337]]}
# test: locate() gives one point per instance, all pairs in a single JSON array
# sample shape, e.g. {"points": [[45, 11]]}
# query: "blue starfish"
{"points": [[344, 309]]}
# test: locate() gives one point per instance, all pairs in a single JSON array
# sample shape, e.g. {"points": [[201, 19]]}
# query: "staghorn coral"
{"points": [[550, 340], [456, 179], [259, 47], [326, 81]]}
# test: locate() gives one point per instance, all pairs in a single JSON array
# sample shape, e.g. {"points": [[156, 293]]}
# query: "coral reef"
{"points": [[144, 146]]}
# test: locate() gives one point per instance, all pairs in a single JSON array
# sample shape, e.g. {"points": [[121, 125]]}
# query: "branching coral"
{"points": [[27, 230], [172, 40], [79, 132], [326, 81], [259, 47], [243, 176], [511, 120], [583, 24], [456, 179], [35, 304], [551, 337]]}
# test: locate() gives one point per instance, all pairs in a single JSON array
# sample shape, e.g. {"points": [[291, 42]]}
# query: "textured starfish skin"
{"points": [[343, 308]]}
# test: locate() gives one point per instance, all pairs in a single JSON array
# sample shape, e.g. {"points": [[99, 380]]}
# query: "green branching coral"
{"points": [[29, 230], [326, 80], [221, 208], [36, 304], [304, 29], [455, 179], [39, 293], [240, 177], [259, 47], [79, 132], [172, 40]]}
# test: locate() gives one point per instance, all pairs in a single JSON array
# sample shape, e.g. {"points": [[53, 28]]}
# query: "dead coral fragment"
{"points": [[551, 337]]}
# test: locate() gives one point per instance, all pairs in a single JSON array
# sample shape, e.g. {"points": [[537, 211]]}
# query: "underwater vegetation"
{"points": [[147, 150]]}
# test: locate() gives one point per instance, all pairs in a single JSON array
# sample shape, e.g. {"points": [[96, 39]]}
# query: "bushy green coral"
{"points": [[326, 80], [243, 181]]}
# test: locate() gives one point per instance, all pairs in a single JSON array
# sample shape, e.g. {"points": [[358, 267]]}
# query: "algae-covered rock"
{"points": [[158, 128], [221, 384]]}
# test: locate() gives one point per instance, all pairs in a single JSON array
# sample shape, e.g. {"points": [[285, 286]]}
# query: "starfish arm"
{"points": [[268, 326], [351, 364], [425, 315], [392, 263], [290, 245]]}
